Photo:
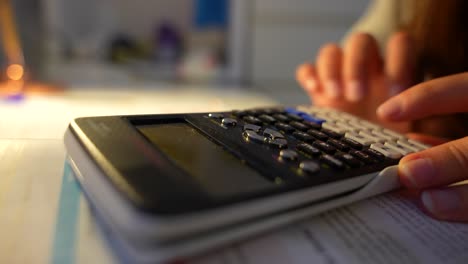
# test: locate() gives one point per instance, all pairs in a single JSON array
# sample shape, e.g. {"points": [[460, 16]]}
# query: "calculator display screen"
{"points": [[216, 170]]}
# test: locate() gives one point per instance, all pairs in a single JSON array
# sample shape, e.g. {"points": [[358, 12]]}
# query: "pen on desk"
{"points": [[13, 51]]}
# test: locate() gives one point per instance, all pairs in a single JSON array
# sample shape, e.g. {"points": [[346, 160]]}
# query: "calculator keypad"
{"points": [[310, 141]]}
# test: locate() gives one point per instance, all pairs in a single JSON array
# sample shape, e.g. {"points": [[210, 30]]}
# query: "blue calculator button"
{"points": [[305, 116]]}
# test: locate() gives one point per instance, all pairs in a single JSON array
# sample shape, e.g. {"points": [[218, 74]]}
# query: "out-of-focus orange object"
{"points": [[15, 72]]}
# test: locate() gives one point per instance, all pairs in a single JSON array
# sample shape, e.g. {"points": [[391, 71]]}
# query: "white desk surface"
{"points": [[45, 219]]}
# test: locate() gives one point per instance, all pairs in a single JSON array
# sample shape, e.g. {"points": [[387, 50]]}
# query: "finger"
{"points": [[437, 166], [400, 62], [307, 77], [426, 139], [360, 57], [436, 97], [449, 203], [329, 70]]}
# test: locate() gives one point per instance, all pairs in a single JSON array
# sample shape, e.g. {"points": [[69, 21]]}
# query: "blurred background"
{"points": [[249, 44]]}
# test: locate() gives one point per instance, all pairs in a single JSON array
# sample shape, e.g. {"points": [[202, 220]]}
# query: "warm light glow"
{"points": [[15, 72]]}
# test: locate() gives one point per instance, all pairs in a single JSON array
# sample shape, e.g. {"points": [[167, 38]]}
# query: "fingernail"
{"points": [[418, 172], [311, 85], [441, 202], [390, 109], [332, 89], [395, 89], [355, 91]]}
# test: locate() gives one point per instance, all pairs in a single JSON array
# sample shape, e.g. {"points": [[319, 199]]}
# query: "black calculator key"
{"points": [[281, 118], [352, 143], [331, 134], [254, 112], [284, 127], [294, 117], [216, 115], [349, 159], [338, 144], [239, 113], [272, 111], [303, 136], [252, 136], [288, 155], [280, 143], [374, 153], [229, 122], [332, 161], [271, 133], [251, 127], [362, 156], [317, 134], [252, 120], [299, 126], [324, 146], [267, 119], [312, 125], [309, 149], [309, 167]]}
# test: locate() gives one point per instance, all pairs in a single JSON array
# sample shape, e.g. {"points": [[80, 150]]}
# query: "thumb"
{"points": [[438, 166]]}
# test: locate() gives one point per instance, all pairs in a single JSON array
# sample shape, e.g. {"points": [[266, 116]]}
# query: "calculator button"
{"points": [[294, 117], [251, 127], [398, 148], [271, 111], [254, 112], [338, 144], [374, 138], [375, 154], [215, 115], [284, 127], [369, 125], [299, 126], [349, 159], [278, 143], [309, 167], [366, 158], [332, 161], [392, 133], [313, 119], [324, 146], [229, 122], [252, 136], [359, 138], [252, 120], [352, 143], [239, 113], [312, 125], [383, 136], [386, 151], [281, 118], [421, 146], [272, 133], [308, 149], [267, 119], [409, 144], [317, 134], [330, 126], [288, 155], [331, 133], [303, 136], [346, 127]]}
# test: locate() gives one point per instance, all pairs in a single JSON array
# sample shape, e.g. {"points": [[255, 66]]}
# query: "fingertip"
{"points": [[416, 172], [354, 91], [390, 110], [442, 203]]}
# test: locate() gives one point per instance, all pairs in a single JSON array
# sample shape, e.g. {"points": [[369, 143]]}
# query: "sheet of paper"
{"points": [[385, 229]]}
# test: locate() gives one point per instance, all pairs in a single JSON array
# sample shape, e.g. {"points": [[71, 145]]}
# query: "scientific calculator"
{"points": [[167, 186]]}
